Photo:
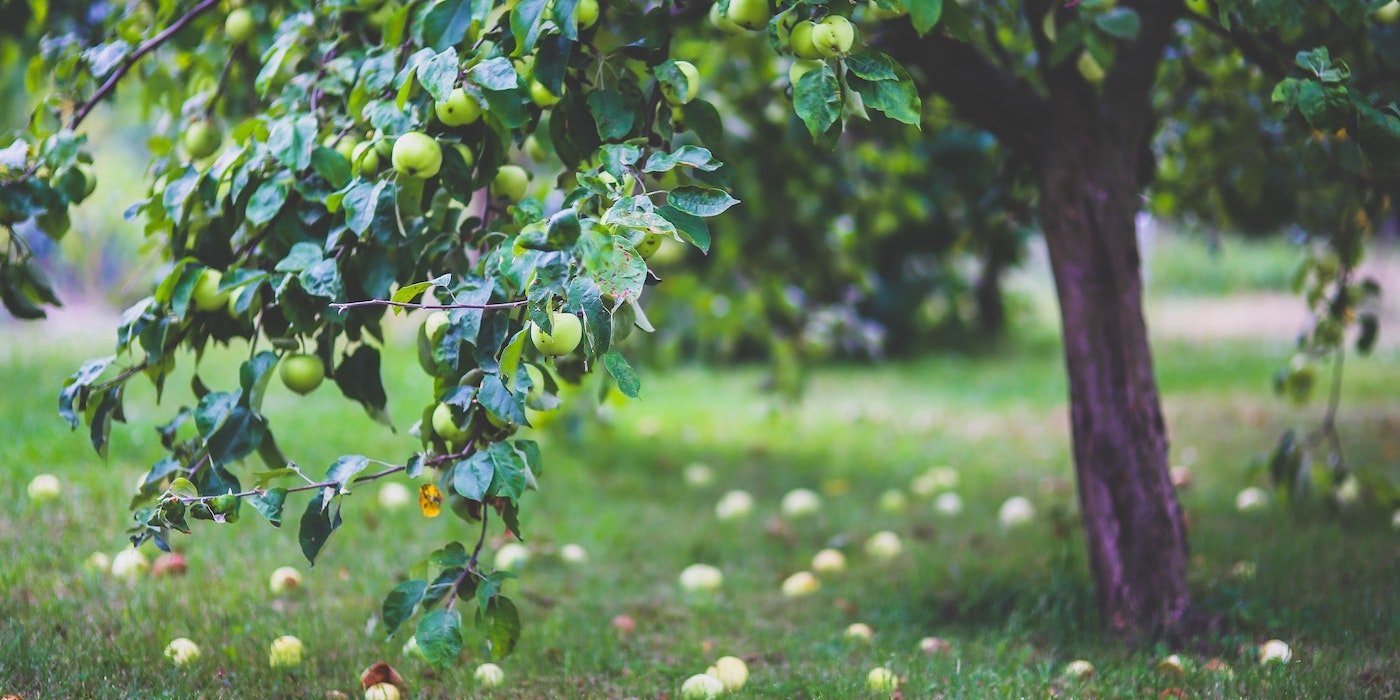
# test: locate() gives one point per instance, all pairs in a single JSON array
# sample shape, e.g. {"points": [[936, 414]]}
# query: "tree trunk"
{"points": [[1136, 536]]}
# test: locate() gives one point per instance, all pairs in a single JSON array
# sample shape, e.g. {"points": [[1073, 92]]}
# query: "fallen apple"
{"points": [[1252, 499], [881, 679], [1172, 666], [129, 564], [893, 501], [169, 564], [859, 632], [701, 578], [573, 554], [800, 503], [489, 675], [734, 505], [948, 504], [285, 580], [1275, 651], [44, 488], [883, 545], [1015, 512], [511, 556], [800, 584], [181, 651], [731, 671], [393, 496], [1079, 669], [98, 562], [285, 652], [829, 561], [702, 686], [934, 645], [698, 475], [383, 691]]}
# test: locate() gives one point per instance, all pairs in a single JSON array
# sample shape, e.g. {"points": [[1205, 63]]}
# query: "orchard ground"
{"points": [[1015, 606]]}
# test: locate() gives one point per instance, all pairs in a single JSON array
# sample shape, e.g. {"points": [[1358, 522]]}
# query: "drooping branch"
{"points": [[341, 306], [127, 63], [983, 93]]}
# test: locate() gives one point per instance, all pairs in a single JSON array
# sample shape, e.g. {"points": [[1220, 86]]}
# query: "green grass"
{"points": [[1189, 265], [1015, 606]]}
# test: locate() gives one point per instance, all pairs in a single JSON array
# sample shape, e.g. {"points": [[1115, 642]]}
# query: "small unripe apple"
{"points": [[1275, 651], [573, 554], [1015, 512], [649, 244], [202, 139], [752, 15], [541, 95], [562, 339], [129, 564], [383, 691], [44, 488], [364, 160], [800, 41], [800, 584], [883, 545], [834, 36], [722, 22], [459, 109], [89, 179], [239, 26], [181, 651], [445, 424], [829, 561], [692, 86], [702, 686], [734, 505], [701, 578], [510, 182], [416, 154], [285, 652], [881, 679], [345, 146], [285, 580], [801, 503], [394, 496], [435, 325], [586, 13], [511, 556], [860, 632], [731, 671], [1079, 669], [800, 67], [489, 675], [302, 373], [1388, 13], [1089, 68], [206, 294]]}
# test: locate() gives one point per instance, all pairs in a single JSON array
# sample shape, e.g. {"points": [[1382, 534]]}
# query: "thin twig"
{"points": [[409, 305], [125, 66]]}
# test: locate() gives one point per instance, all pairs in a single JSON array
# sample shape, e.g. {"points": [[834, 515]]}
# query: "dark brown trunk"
{"points": [[1136, 536]]}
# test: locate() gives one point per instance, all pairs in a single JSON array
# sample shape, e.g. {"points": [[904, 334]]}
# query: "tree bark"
{"points": [[1136, 536]]}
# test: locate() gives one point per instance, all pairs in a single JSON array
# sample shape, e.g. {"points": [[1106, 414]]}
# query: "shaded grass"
{"points": [[1016, 606]]}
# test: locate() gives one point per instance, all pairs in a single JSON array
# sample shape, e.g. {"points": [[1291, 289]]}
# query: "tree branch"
{"points": [[984, 94], [125, 66], [410, 305]]}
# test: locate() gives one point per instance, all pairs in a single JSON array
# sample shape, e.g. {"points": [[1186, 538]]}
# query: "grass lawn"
{"points": [[1016, 606]]}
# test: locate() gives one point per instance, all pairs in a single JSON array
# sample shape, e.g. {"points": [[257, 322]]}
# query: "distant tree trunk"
{"points": [[991, 303], [1136, 536]]}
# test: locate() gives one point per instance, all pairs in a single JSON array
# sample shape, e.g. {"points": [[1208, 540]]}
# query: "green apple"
{"points": [[345, 146], [416, 154], [285, 652], [44, 488], [384, 145], [202, 139], [383, 691], [731, 671], [510, 182], [89, 179], [1388, 13], [701, 578], [535, 150], [834, 36], [435, 325], [1089, 68], [752, 15], [541, 96], [284, 580], [181, 651], [723, 23], [489, 675], [649, 244], [881, 679], [536, 382], [692, 85], [302, 373], [206, 294], [702, 686], [800, 584], [239, 26], [364, 160], [459, 109], [800, 40], [586, 13], [129, 564], [800, 67], [445, 424], [563, 338]]}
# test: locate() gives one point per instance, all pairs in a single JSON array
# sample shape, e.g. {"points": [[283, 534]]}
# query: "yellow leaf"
{"points": [[429, 500]]}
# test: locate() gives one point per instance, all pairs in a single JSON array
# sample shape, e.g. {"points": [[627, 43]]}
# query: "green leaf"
{"points": [[317, 523], [439, 636], [700, 201], [409, 293], [501, 623], [291, 141], [899, 100], [525, 24], [447, 22], [302, 255], [346, 468], [499, 400], [439, 74], [496, 74], [690, 156], [270, 504], [627, 380], [331, 165], [692, 228], [253, 376], [611, 114], [1120, 23], [871, 65], [924, 14], [267, 201], [322, 280], [471, 477], [360, 379], [817, 99], [399, 604], [360, 204], [237, 436], [76, 386]]}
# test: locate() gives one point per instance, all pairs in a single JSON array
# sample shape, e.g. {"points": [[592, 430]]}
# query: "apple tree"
{"points": [[507, 166]]}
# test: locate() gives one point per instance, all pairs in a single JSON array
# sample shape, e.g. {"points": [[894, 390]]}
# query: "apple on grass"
{"points": [[44, 488], [393, 496], [573, 554], [948, 504], [489, 675], [1252, 499], [702, 686], [829, 561], [285, 580], [129, 564], [800, 503], [893, 501], [1078, 669], [511, 556], [883, 545], [731, 671], [170, 564], [801, 584], [181, 651], [383, 691], [881, 679], [698, 475], [735, 505], [98, 562], [1015, 512], [285, 652], [859, 632], [1275, 651], [701, 578]]}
